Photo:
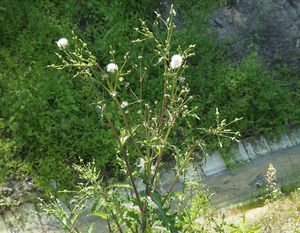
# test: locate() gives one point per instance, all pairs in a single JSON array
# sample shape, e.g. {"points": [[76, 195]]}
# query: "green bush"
{"points": [[48, 115], [266, 98]]}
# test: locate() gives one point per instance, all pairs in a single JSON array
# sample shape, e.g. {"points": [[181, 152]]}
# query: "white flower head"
{"points": [[112, 68], [176, 61], [181, 79], [62, 43], [124, 104]]}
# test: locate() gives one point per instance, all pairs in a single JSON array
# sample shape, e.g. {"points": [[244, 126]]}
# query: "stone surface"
{"points": [[23, 219], [32, 222], [3, 228], [270, 26], [280, 143], [261, 146], [98, 223], [237, 154], [194, 172], [256, 146], [139, 185], [294, 136], [14, 223], [249, 148], [242, 152], [49, 223], [167, 176], [213, 164]]}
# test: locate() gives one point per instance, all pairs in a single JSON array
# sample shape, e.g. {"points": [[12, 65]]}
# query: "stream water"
{"points": [[238, 185]]}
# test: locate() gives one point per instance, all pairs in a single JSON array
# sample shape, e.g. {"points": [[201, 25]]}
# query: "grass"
{"points": [[282, 215], [288, 190]]}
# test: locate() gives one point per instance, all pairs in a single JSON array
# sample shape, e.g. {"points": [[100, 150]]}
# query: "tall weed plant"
{"points": [[127, 207]]}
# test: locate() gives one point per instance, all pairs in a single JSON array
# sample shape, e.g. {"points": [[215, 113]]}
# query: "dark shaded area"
{"points": [[271, 26]]}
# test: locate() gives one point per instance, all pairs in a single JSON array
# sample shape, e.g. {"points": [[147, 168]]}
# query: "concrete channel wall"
{"points": [[247, 150], [27, 218]]}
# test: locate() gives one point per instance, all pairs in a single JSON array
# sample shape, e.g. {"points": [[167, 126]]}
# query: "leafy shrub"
{"points": [[266, 98], [49, 116]]}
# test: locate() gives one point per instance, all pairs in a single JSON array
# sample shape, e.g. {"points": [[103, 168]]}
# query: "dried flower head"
{"points": [[62, 43], [176, 61], [112, 68]]}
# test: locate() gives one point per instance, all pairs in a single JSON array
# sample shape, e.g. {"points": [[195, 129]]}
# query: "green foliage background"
{"points": [[48, 117]]}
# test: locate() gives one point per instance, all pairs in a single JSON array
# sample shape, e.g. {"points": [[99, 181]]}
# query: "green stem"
{"points": [[187, 159], [159, 158]]}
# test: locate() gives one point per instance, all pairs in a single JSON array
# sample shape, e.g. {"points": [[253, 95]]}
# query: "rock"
{"points": [[242, 153], [167, 175], [23, 219], [237, 155], [294, 135], [50, 224], [256, 146], [3, 228], [6, 191], [194, 172], [213, 164], [260, 181], [280, 143], [249, 148], [272, 26]]}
